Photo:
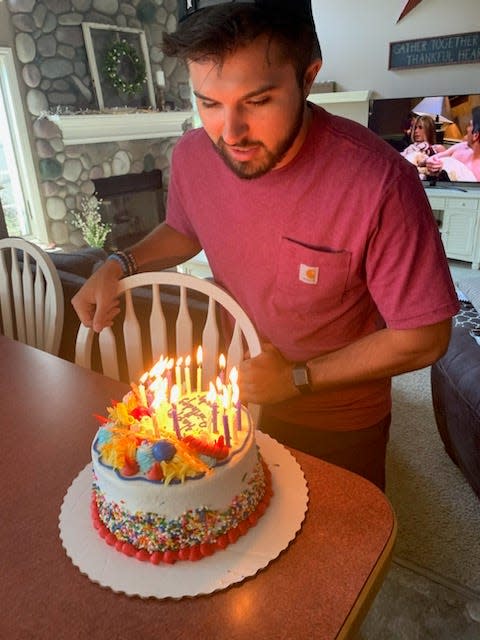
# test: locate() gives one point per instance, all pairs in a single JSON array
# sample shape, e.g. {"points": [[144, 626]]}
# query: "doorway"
{"points": [[19, 194]]}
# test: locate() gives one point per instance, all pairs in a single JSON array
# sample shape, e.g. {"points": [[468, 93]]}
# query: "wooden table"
{"points": [[319, 588]]}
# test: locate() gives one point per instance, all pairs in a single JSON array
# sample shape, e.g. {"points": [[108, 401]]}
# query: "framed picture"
{"points": [[119, 65]]}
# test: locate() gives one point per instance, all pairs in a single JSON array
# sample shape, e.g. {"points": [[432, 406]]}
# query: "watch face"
{"points": [[300, 376]]}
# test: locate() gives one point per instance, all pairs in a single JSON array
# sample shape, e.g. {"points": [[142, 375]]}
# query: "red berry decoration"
{"points": [[156, 557], [155, 472], [130, 468], [222, 542], [170, 557], [143, 555], [139, 412], [184, 553], [128, 549], [207, 549], [195, 553]]}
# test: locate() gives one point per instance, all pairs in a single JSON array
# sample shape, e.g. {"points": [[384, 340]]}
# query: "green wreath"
{"points": [[119, 55]]}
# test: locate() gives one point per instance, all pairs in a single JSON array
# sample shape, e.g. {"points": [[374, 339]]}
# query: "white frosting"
{"points": [[215, 490]]}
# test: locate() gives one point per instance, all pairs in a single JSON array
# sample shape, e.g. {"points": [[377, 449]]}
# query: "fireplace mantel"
{"points": [[116, 127]]}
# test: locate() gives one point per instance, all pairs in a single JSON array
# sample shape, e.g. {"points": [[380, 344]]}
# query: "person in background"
{"points": [[339, 264], [462, 160], [407, 129], [423, 143]]}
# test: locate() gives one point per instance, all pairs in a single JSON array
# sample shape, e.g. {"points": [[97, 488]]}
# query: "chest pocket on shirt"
{"points": [[311, 276]]}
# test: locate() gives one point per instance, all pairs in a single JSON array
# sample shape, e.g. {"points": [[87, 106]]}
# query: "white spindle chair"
{"points": [[244, 332], [31, 295]]}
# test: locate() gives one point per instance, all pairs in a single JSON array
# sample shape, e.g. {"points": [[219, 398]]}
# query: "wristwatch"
{"points": [[301, 377]]}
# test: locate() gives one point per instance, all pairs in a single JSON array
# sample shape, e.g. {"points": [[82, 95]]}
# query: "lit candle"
{"points": [[212, 399], [169, 373], [199, 369], [222, 363], [188, 381], [226, 428], [174, 394], [178, 374], [236, 398], [143, 395], [155, 424]]}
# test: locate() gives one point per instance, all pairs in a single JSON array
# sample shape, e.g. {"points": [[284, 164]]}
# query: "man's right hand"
{"points": [[96, 303]]}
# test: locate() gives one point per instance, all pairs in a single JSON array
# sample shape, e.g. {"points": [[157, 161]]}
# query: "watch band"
{"points": [[301, 377]]}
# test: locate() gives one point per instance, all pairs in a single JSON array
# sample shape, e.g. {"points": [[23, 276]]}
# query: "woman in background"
{"points": [[423, 143]]}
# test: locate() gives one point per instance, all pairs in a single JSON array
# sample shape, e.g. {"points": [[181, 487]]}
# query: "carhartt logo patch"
{"points": [[307, 274]]}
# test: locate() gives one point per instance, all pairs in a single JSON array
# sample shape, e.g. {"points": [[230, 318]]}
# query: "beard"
{"points": [[268, 158]]}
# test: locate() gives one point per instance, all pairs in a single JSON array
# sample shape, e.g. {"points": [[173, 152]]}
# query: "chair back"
{"points": [[140, 345], [31, 295]]}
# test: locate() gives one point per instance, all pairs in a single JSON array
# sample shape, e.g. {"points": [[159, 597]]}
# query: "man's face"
{"points": [[471, 135], [253, 111]]}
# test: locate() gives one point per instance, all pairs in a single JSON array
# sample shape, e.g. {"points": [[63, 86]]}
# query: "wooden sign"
{"points": [[459, 48]]}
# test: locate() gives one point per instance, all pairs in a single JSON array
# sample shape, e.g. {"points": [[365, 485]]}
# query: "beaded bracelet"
{"points": [[126, 261]]}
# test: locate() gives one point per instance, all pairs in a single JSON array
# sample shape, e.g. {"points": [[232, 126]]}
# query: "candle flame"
{"points": [[233, 375], [159, 389], [222, 363], [219, 384], [156, 371], [212, 394], [235, 394], [199, 356], [179, 361], [188, 360]]}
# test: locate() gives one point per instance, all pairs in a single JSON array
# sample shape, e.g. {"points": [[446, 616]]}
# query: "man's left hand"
{"points": [[267, 378]]}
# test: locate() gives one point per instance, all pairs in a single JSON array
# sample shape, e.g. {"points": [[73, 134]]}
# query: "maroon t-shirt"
{"points": [[333, 246]]}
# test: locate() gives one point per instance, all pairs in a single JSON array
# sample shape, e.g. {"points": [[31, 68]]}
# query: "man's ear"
{"points": [[310, 75]]}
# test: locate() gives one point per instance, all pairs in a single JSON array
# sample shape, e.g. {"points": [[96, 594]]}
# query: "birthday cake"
{"points": [[177, 474]]}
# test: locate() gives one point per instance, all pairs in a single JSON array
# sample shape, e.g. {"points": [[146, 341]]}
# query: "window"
{"points": [[19, 193]]}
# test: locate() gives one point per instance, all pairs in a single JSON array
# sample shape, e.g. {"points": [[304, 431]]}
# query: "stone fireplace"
{"points": [[83, 168], [132, 204], [74, 144]]}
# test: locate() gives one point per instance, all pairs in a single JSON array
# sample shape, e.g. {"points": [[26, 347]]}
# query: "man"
{"points": [[320, 230], [467, 153]]}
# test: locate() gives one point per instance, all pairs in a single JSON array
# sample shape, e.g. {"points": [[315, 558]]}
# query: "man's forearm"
{"points": [[382, 354], [268, 378], [162, 248]]}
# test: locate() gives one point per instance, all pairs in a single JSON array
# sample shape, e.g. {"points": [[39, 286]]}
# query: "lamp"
{"points": [[438, 108]]}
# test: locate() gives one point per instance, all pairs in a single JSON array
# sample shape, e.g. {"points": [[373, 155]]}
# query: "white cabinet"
{"points": [[457, 213], [349, 104]]}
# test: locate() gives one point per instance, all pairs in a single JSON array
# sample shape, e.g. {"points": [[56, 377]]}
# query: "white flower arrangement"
{"points": [[89, 221]]}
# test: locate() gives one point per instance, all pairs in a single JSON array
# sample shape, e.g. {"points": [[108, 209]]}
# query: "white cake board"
{"points": [[262, 544]]}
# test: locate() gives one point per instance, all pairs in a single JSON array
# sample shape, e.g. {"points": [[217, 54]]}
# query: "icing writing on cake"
{"points": [[164, 432]]}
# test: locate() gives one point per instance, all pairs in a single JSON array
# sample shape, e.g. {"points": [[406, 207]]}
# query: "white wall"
{"points": [[355, 37]]}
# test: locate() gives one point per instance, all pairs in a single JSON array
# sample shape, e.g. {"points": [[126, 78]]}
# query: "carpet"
{"points": [[438, 514]]}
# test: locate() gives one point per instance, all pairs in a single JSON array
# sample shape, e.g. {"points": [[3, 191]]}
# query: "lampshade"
{"points": [[437, 107]]}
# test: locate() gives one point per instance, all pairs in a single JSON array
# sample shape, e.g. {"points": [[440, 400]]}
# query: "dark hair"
{"points": [[476, 119], [216, 32], [428, 125]]}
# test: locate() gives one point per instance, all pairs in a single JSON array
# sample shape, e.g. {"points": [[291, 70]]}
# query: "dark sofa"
{"points": [[456, 395], [74, 268]]}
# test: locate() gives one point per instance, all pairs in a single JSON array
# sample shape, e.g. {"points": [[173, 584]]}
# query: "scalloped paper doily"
{"points": [[252, 552]]}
